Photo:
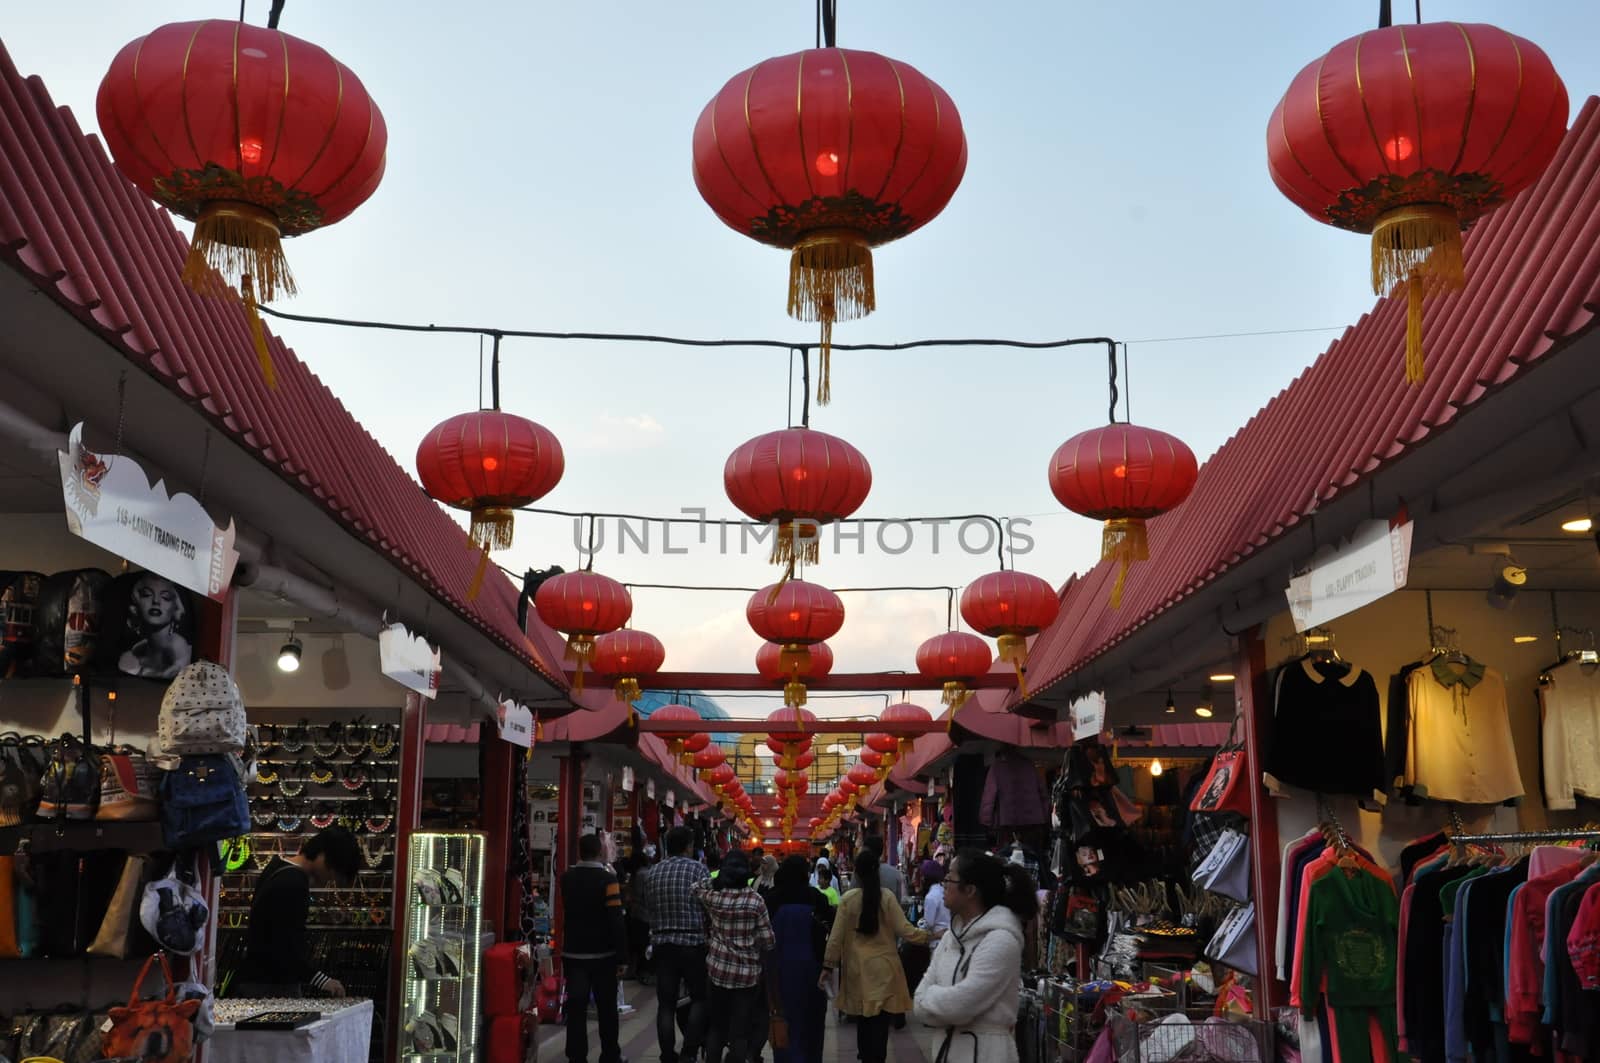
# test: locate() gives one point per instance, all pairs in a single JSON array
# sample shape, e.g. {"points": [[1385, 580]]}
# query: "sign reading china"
{"points": [[516, 724], [409, 660], [1375, 562], [111, 503], [1088, 716]]}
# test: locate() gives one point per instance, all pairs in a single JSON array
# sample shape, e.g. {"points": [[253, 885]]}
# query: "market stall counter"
{"points": [[291, 1031]]}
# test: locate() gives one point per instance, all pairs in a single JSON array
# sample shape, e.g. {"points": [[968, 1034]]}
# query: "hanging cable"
{"points": [[274, 14], [1111, 375], [480, 372], [494, 371], [1127, 388], [1385, 16], [829, 13], [805, 387]]}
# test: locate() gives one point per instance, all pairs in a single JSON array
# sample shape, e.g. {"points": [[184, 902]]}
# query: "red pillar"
{"points": [[498, 775], [1253, 701], [569, 789], [409, 817]]}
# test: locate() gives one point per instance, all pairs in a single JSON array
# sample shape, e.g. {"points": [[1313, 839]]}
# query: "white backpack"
{"points": [[202, 712]]}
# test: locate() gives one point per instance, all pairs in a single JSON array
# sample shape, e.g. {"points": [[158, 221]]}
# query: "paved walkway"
{"points": [[639, 1036]]}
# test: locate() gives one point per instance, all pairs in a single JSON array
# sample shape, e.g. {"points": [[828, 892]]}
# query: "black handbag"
{"points": [[68, 622], [70, 788], [19, 596]]}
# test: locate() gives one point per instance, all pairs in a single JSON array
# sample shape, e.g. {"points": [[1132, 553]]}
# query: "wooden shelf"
{"points": [[143, 836]]}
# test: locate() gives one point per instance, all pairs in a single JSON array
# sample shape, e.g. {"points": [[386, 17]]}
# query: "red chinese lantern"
{"points": [[625, 656], [1124, 475], [720, 776], [829, 153], [884, 747], [804, 662], [862, 776], [583, 606], [905, 712], [848, 787], [1008, 606], [693, 744], [799, 479], [797, 615], [251, 134], [1411, 133], [790, 745], [875, 761], [677, 743], [489, 463], [957, 658], [708, 760]]}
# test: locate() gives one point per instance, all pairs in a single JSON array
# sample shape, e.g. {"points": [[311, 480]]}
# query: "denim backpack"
{"points": [[202, 801]]}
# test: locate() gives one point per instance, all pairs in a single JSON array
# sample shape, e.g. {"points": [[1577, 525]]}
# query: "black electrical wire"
{"points": [[274, 14]]}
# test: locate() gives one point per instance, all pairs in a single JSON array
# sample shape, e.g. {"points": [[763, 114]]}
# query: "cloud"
{"points": [[625, 432]]}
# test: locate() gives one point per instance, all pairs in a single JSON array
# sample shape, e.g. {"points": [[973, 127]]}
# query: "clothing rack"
{"points": [[1573, 835]]}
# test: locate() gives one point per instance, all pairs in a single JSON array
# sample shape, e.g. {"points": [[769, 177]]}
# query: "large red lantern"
{"points": [[1008, 606], [797, 615], [905, 712], [676, 743], [251, 134], [829, 153], [489, 463], [626, 656], [1411, 133], [583, 606], [708, 760], [1124, 475], [799, 479], [956, 658], [804, 663]]}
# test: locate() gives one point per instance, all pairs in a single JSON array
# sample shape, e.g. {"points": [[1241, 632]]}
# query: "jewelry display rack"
{"points": [[312, 774]]}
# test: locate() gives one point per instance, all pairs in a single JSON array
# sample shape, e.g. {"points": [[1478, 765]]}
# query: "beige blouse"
{"points": [[1570, 703], [1460, 746]]}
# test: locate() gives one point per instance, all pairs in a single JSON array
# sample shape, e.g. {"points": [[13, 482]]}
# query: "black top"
{"points": [[276, 949], [1485, 928], [591, 904], [1577, 1011], [1424, 945], [1327, 735]]}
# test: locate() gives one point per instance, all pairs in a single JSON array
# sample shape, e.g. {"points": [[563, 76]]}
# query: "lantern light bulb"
{"points": [[250, 150], [1397, 148], [1120, 472], [490, 463], [588, 607], [828, 163], [1155, 767], [794, 614], [799, 474]]}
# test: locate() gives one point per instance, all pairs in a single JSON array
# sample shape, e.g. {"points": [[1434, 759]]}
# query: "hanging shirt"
{"points": [[1569, 704], [1460, 746], [1484, 924], [1526, 975], [1351, 927], [1327, 731], [1583, 942]]}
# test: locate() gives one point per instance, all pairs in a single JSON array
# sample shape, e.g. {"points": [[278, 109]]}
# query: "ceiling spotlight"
{"points": [[1155, 767], [289, 655], [1509, 578], [1221, 677], [1203, 710], [1578, 525], [1172, 706], [1523, 639]]}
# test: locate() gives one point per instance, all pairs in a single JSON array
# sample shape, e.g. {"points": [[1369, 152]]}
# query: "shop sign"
{"points": [[111, 503], [627, 779], [672, 798], [409, 660], [649, 789], [1088, 716], [516, 724], [1374, 563]]}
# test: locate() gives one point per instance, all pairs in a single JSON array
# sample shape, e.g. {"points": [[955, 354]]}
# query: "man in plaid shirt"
{"points": [[678, 944], [741, 935]]}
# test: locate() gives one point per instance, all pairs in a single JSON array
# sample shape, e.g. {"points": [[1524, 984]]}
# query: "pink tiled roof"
{"points": [[96, 245], [1533, 283]]}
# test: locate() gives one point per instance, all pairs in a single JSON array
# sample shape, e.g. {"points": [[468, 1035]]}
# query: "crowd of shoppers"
{"points": [[746, 951]]}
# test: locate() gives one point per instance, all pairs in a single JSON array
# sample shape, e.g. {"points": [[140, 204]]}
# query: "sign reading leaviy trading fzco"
{"points": [[1375, 562], [110, 502]]}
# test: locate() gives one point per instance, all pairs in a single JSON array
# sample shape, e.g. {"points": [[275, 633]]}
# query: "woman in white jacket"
{"points": [[969, 995]]}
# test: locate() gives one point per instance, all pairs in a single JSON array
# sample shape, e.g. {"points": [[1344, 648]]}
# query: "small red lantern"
{"points": [[1009, 606], [1411, 133], [905, 712], [1124, 475], [583, 606], [693, 744], [957, 658], [720, 776], [676, 743], [795, 614], [884, 747], [848, 788], [829, 152], [862, 776], [489, 463], [799, 479], [625, 656], [250, 133], [804, 662]]}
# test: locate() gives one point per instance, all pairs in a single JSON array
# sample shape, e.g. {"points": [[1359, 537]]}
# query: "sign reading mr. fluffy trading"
{"points": [[111, 503]]}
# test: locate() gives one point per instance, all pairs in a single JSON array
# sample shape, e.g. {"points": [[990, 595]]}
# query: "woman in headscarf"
{"points": [[801, 918]]}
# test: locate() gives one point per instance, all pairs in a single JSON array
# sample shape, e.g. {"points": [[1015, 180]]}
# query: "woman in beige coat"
{"points": [[872, 984]]}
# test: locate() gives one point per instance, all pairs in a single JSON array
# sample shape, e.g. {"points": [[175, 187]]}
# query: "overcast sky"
{"points": [[538, 177]]}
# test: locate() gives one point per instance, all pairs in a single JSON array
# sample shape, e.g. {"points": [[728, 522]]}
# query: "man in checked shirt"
{"points": [[678, 944], [741, 935]]}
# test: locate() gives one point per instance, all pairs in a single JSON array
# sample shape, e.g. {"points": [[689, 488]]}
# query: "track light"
{"points": [[1203, 710], [1172, 706], [1509, 578], [289, 655]]}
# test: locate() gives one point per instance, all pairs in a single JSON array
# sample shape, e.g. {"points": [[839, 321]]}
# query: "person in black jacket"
{"points": [[594, 950], [277, 959]]}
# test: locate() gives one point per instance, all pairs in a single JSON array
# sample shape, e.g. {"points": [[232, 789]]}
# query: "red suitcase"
{"points": [[505, 1040], [502, 983]]}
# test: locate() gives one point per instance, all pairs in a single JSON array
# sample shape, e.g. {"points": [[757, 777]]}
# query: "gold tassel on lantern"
{"points": [[955, 694], [492, 526], [580, 648], [627, 689], [797, 539], [830, 279], [241, 240], [478, 576], [1125, 542], [1013, 648], [1418, 247]]}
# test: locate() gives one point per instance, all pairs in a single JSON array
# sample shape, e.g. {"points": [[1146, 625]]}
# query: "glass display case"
{"points": [[444, 924]]}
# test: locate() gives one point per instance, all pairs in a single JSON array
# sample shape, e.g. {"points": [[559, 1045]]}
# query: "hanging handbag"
{"points": [[1227, 784], [203, 801], [19, 787], [127, 786], [10, 949], [202, 712], [1230, 874], [148, 628], [68, 621], [174, 913], [1234, 943], [70, 788], [116, 935], [19, 596], [155, 1031]]}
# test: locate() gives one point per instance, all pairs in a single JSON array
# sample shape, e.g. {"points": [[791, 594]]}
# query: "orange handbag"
{"points": [[154, 1031]]}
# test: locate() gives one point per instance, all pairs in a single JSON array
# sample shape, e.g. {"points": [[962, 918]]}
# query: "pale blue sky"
{"points": [[539, 177]]}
